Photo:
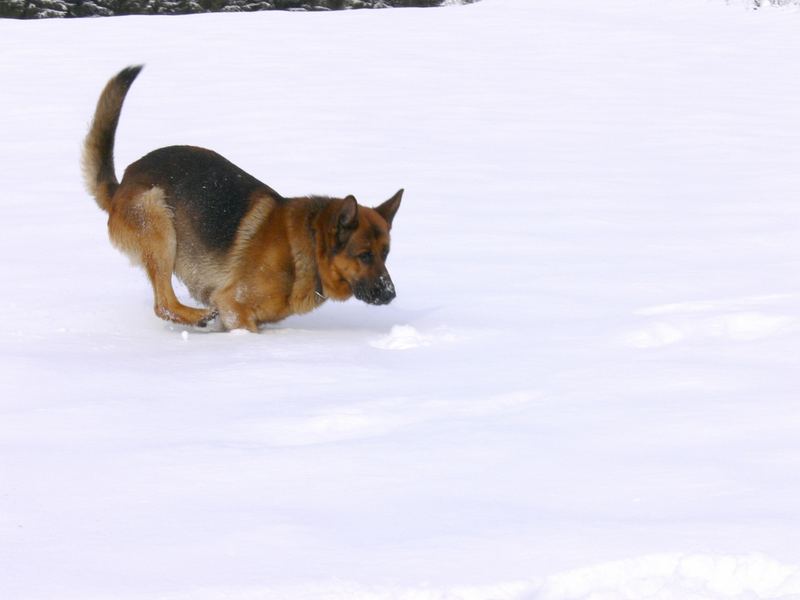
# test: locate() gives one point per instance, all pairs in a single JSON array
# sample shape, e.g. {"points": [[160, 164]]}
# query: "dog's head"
{"points": [[359, 248]]}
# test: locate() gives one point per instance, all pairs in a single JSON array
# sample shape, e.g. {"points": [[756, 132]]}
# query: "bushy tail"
{"points": [[98, 147]]}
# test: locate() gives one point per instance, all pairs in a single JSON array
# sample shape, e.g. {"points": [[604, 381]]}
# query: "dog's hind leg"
{"points": [[141, 225]]}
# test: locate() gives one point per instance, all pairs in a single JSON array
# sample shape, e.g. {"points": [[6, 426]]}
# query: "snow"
{"points": [[585, 388]]}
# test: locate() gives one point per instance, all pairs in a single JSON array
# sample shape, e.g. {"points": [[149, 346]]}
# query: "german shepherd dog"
{"points": [[244, 251]]}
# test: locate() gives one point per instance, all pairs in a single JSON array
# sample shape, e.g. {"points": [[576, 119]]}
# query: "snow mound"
{"points": [[676, 577], [406, 337], [736, 320], [652, 577]]}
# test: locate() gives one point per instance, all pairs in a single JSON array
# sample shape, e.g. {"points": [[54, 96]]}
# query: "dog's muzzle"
{"points": [[377, 291]]}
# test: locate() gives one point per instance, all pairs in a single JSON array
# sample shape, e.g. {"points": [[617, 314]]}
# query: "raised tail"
{"points": [[98, 147]]}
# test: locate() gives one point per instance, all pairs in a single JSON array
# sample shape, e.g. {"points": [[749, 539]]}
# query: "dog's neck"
{"points": [[320, 219], [313, 218], [319, 292]]}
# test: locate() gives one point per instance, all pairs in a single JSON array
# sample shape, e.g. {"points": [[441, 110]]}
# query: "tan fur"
{"points": [[140, 225], [271, 292]]}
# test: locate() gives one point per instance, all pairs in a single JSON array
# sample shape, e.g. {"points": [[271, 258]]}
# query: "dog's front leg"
{"points": [[238, 317], [234, 313]]}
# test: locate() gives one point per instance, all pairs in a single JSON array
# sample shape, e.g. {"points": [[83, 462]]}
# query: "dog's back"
{"points": [[207, 193]]}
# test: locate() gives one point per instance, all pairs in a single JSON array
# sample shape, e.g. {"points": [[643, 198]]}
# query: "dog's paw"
{"points": [[208, 319]]}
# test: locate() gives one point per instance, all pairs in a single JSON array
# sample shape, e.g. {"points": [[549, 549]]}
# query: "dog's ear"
{"points": [[346, 220], [389, 208]]}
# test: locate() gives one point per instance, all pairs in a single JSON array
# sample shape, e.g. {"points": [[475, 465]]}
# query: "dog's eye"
{"points": [[365, 257], [385, 253]]}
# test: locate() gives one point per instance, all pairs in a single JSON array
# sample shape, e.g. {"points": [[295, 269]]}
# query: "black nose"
{"points": [[378, 291], [385, 289], [384, 298]]}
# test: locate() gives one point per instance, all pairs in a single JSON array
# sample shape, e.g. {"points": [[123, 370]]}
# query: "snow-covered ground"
{"points": [[587, 387]]}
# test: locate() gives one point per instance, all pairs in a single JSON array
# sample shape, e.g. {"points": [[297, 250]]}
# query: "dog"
{"points": [[245, 252]]}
